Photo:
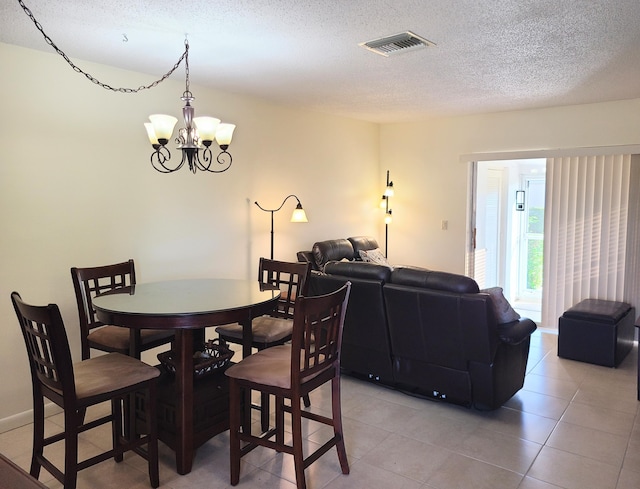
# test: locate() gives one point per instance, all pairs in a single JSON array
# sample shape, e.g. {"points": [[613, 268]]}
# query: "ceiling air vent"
{"points": [[399, 43]]}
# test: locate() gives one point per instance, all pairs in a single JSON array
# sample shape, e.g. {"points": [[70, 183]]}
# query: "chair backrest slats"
{"points": [[291, 278], [317, 333], [92, 281], [47, 346]]}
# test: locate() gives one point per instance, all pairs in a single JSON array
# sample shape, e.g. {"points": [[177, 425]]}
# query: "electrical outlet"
{"points": [[445, 225]]}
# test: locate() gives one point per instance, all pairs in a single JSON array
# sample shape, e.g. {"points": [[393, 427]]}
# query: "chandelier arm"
{"points": [[224, 158], [87, 75], [207, 157], [158, 159]]}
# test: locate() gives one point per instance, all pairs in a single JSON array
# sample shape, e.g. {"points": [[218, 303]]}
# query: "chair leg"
{"points": [[116, 428], [298, 455], [280, 420], [264, 412], [71, 424], [82, 413], [38, 436], [337, 424], [152, 434], [234, 429], [128, 416], [306, 400]]}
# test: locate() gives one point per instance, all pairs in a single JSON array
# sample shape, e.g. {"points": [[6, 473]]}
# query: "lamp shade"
{"points": [[389, 190], [151, 133], [163, 125], [224, 133], [299, 215], [388, 218], [206, 127]]}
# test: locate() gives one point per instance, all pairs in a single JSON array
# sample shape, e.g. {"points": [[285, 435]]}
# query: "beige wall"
{"points": [[76, 188], [431, 181]]}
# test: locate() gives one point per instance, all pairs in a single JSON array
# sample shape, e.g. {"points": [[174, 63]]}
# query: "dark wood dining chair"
{"points": [[292, 279], [14, 477], [75, 387], [91, 281], [290, 372]]}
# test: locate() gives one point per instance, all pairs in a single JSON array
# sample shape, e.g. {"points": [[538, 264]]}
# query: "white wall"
{"points": [[77, 189], [431, 182]]}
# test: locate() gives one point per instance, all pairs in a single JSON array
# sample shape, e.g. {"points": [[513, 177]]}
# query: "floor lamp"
{"points": [[384, 203], [298, 215]]}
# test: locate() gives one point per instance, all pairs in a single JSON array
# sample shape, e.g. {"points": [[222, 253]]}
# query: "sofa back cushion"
{"points": [[365, 340], [429, 279], [332, 249], [448, 329], [358, 269], [362, 243]]}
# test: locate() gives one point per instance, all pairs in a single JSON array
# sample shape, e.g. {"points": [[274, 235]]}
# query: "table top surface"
{"points": [[186, 297]]}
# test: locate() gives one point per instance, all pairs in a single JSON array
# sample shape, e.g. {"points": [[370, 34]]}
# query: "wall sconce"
{"points": [[298, 215], [384, 204], [520, 200]]}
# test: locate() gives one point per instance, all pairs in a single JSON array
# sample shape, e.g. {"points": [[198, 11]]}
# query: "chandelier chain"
{"points": [[95, 80]]}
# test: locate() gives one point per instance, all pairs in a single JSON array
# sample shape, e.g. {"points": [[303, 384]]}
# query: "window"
{"points": [[532, 239]]}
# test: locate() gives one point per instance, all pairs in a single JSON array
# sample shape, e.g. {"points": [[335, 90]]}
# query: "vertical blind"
{"points": [[591, 245], [632, 264]]}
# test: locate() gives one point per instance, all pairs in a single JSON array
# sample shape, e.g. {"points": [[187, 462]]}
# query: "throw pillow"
{"points": [[374, 256], [503, 310]]}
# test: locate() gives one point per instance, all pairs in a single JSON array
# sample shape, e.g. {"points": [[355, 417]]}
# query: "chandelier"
{"points": [[194, 140], [197, 135]]}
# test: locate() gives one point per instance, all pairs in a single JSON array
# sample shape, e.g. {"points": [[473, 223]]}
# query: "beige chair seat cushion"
{"points": [[118, 337], [266, 329], [271, 366], [110, 372]]}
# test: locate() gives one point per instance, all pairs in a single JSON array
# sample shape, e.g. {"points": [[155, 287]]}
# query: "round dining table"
{"points": [[187, 307]]}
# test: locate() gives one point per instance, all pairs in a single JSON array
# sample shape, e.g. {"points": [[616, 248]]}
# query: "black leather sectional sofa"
{"points": [[425, 332]]}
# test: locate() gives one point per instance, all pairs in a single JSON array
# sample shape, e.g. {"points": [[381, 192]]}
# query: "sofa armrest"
{"points": [[307, 257], [516, 332]]}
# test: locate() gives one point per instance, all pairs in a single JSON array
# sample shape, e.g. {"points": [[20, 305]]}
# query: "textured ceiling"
{"points": [[490, 55]]}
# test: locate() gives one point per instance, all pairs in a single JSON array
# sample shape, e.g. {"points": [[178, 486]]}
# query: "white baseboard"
{"points": [[26, 417]]}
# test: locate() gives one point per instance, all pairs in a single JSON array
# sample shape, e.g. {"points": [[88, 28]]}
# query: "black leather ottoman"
{"points": [[597, 331]]}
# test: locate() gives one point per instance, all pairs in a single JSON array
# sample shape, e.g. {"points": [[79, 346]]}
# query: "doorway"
{"points": [[509, 231]]}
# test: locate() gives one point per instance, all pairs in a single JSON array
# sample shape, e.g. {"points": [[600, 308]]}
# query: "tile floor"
{"points": [[574, 425]]}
